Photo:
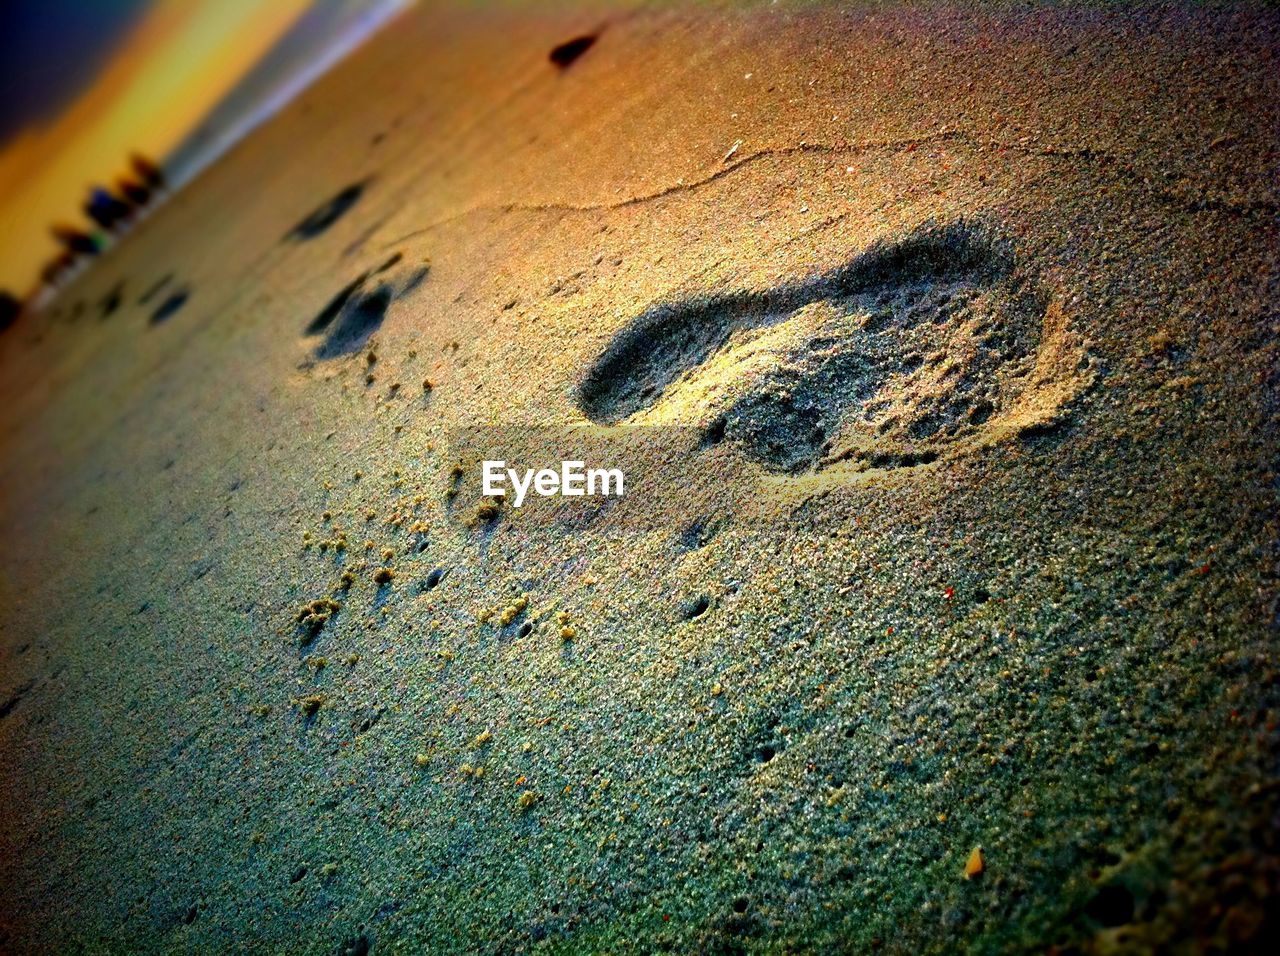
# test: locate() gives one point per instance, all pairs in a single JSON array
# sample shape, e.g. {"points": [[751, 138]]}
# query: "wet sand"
{"points": [[972, 317]]}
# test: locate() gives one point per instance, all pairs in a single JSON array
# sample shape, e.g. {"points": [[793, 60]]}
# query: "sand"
{"points": [[967, 325]]}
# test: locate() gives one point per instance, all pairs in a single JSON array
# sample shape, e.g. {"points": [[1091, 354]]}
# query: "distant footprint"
{"points": [[327, 214], [351, 317], [357, 321], [170, 306], [911, 350], [564, 55]]}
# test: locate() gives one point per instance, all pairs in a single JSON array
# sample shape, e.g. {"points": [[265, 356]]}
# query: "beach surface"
{"points": [[952, 627]]}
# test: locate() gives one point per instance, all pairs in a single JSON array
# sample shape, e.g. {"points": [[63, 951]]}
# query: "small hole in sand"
{"points": [[1112, 906], [695, 608]]}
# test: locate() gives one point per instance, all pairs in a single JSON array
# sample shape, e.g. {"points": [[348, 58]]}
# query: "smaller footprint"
{"points": [[359, 308], [357, 321], [567, 53], [325, 215], [170, 306], [111, 301]]}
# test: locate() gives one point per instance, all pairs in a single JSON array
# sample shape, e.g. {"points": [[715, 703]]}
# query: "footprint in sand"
{"points": [[912, 351], [564, 55], [327, 213], [108, 304], [358, 309], [170, 306]]}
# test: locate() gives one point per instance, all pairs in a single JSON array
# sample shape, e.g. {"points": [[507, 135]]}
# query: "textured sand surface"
{"points": [[973, 317]]}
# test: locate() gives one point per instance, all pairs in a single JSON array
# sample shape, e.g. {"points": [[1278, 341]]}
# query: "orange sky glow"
{"points": [[178, 61]]}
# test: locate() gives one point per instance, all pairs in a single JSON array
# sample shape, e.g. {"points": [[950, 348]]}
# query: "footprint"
{"points": [[358, 320], [169, 307], [912, 350], [563, 55], [351, 317], [324, 318], [327, 214], [16, 698], [111, 301]]}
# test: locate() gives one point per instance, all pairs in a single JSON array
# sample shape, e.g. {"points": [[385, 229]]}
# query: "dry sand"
{"points": [[975, 317]]}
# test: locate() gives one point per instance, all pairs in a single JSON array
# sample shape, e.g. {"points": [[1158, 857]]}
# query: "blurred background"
{"points": [[107, 106]]}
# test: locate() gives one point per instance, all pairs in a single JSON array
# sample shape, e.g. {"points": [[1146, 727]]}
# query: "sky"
{"points": [[51, 51], [83, 83]]}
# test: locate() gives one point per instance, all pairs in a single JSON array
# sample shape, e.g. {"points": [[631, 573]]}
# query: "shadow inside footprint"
{"points": [[881, 361], [170, 306], [324, 318], [415, 279], [111, 301], [358, 320], [327, 214], [565, 54], [356, 312]]}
